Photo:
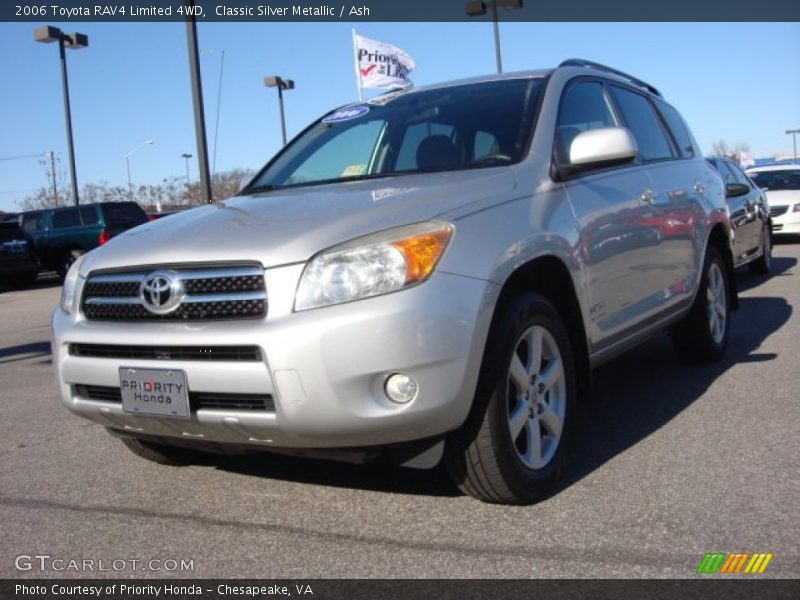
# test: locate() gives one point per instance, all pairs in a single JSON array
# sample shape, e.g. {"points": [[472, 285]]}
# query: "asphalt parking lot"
{"points": [[669, 462]]}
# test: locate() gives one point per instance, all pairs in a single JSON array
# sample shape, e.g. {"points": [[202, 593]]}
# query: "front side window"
{"points": [[643, 123], [32, 222], [452, 128], [584, 106]]}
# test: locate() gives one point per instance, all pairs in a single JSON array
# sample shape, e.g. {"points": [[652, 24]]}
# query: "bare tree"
{"points": [[721, 148]]}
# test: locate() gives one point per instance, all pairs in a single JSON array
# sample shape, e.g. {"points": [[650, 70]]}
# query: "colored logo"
{"points": [[345, 114], [734, 562], [161, 292]]}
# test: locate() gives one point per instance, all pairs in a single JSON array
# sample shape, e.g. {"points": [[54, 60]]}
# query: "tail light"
{"points": [[103, 237], [151, 217]]}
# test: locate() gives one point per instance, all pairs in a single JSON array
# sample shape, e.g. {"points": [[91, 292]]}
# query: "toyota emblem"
{"points": [[161, 292]]}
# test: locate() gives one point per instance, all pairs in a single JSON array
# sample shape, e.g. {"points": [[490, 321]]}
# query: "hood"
{"points": [[782, 197], [290, 226]]}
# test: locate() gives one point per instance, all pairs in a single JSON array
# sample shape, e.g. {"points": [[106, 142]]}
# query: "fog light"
{"points": [[401, 388]]}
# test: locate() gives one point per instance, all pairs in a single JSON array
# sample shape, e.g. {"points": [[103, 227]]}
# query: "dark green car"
{"points": [[61, 235]]}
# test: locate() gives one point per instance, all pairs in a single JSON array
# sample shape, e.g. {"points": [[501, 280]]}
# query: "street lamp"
{"points": [[128, 165], [281, 84], [73, 41], [793, 133], [477, 8], [187, 157]]}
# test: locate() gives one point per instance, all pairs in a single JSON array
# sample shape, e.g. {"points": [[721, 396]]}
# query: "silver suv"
{"points": [[428, 275]]}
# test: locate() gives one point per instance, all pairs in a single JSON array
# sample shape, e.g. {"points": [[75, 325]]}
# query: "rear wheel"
{"points": [[763, 264], [511, 449], [702, 335], [162, 454]]}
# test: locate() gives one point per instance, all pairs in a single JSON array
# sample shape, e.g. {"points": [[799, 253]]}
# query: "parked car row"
{"points": [[59, 236]]}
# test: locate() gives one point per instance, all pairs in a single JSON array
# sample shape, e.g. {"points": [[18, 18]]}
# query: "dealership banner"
{"points": [[381, 65]]}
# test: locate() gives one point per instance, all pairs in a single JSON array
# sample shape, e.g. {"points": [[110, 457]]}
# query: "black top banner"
{"points": [[396, 10]]}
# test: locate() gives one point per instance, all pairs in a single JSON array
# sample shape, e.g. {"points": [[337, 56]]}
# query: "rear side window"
{"points": [[89, 215], [678, 127], [124, 215], [583, 106], [641, 119], [66, 218], [32, 222]]}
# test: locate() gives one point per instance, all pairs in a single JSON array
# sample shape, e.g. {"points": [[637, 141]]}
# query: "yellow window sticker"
{"points": [[354, 170]]}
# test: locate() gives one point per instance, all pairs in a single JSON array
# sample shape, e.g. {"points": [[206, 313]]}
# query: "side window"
{"points": [[32, 222], [66, 218], [739, 174], [725, 172], [88, 215], [678, 127], [641, 119], [485, 144], [583, 106]]}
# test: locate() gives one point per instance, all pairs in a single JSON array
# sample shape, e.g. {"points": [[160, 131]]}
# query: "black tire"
{"points": [[66, 262], [694, 338], [162, 453], [763, 264], [482, 458]]}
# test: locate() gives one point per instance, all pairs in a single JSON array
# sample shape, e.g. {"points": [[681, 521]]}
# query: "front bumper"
{"points": [[786, 224], [325, 368]]}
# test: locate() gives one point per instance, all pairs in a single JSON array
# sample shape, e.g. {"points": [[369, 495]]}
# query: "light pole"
{"points": [[281, 84], [187, 156], [197, 102], [477, 8], [73, 41], [793, 133], [128, 165]]}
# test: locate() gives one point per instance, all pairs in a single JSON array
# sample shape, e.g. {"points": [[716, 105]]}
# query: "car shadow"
{"points": [[45, 279], [658, 387], [615, 419], [24, 352], [781, 267]]}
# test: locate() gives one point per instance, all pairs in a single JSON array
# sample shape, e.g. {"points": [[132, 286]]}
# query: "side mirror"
{"points": [[599, 148], [733, 190]]}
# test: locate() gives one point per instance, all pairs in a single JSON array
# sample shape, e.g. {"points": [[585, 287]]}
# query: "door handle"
{"points": [[699, 187], [648, 196]]}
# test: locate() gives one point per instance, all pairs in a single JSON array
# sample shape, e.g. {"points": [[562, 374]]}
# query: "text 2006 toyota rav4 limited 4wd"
{"points": [[429, 275]]}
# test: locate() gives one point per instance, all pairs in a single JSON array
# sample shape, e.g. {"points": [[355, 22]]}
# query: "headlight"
{"points": [[370, 266], [70, 285]]}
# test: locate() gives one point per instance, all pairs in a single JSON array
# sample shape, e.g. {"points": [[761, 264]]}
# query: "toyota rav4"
{"points": [[428, 275]]}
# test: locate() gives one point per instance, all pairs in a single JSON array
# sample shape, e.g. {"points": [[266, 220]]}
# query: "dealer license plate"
{"points": [[161, 392]]}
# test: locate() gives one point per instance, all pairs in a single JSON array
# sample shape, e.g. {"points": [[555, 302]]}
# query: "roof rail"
{"points": [[579, 62]]}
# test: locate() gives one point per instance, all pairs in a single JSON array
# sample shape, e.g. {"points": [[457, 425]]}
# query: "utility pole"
{"points": [[53, 176], [793, 133], [197, 100]]}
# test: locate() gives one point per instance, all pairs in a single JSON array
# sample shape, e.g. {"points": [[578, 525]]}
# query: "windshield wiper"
{"points": [[257, 189]]}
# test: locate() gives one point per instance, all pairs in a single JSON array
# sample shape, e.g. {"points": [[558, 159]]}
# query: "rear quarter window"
{"points": [[678, 128]]}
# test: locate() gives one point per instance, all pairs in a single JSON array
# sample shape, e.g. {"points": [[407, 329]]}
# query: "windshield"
{"points": [[458, 127], [788, 179]]}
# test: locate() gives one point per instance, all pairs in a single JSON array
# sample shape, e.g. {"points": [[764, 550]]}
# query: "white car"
{"points": [[782, 185]]}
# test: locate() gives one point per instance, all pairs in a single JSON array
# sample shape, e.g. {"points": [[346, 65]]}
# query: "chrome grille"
{"points": [[777, 211], [208, 294]]}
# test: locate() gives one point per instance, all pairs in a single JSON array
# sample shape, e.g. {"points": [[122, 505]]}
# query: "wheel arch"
{"points": [[718, 238], [549, 276]]}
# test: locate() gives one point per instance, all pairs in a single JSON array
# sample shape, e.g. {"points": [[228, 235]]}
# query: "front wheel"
{"points": [[763, 264], [511, 449], [702, 335]]}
